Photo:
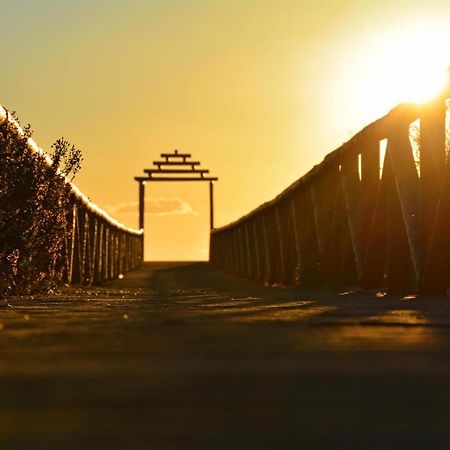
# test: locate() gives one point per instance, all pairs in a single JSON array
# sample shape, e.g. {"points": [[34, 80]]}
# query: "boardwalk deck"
{"points": [[179, 356]]}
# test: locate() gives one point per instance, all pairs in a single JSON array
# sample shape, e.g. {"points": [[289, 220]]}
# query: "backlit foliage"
{"points": [[34, 205]]}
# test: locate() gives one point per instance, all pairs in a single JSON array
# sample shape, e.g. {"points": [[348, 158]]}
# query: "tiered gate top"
{"points": [[176, 167]]}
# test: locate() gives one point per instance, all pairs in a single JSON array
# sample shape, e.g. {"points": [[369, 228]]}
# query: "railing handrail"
{"points": [[75, 191], [406, 112]]}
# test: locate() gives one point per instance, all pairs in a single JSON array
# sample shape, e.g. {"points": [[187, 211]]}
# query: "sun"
{"points": [[397, 62], [415, 61]]}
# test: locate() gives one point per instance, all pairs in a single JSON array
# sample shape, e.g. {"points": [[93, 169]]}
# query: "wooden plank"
{"points": [[323, 198], [181, 179], [406, 179], [399, 270], [268, 264], [247, 246], [375, 227], [289, 248], [106, 252], [310, 273], [280, 239], [175, 171], [258, 259], [103, 265], [237, 246], [435, 275], [370, 191], [93, 253], [242, 255], [176, 163], [81, 243], [315, 211], [339, 267], [230, 243], [351, 187], [176, 155], [234, 254], [211, 205], [296, 233], [74, 267], [141, 204], [434, 200]]}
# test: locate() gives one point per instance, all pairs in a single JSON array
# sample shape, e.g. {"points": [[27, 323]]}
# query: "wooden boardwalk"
{"points": [[179, 356]]}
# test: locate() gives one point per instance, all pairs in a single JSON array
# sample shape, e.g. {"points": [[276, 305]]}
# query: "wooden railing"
{"points": [[370, 214], [97, 247]]}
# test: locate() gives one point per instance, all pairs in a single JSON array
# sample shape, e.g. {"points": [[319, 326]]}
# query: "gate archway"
{"points": [[175, 167]]}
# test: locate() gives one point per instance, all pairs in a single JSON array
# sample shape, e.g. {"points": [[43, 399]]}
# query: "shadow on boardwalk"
{"points": [[179, 356]]}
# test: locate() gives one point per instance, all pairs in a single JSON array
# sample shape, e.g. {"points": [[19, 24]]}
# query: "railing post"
{"points": [[230, 244], [249, 270], [98, 268], [81, 243], [256, 244], [211, 205], [351, 187], [93, 237], [242, 256], [311, 269], [74, 271], [373, 212], [324, 190], [402, 201], [280, 239], [434, 200], [298, 259], [267, 262]]}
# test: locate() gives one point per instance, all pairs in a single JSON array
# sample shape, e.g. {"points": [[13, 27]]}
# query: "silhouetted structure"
{"points": [[175, 167], [348, 222]]}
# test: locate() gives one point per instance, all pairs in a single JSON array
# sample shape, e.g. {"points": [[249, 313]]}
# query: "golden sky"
{"points": [[257, 90]]}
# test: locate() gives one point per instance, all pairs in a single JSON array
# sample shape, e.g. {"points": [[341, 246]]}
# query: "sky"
{"points": [[258, 90]]}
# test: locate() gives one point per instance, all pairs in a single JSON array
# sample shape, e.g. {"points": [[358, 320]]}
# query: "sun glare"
{"points": [[405, 62], [413, 62], [418, 60]]}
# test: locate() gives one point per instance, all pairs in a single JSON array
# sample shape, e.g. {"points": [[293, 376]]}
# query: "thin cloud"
{"points": [[161, 206]]}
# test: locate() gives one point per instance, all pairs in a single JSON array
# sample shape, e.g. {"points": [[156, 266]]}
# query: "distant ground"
{"points": [[179, 356]]}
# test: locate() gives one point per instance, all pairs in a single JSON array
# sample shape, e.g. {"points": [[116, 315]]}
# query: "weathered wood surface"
{"points": [[179, 356]]}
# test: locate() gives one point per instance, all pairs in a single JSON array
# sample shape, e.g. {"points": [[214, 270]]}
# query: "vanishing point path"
{"points": [[180, 356]]}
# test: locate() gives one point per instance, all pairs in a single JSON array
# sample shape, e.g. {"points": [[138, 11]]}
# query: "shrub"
{"points": [[34, 203]]}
